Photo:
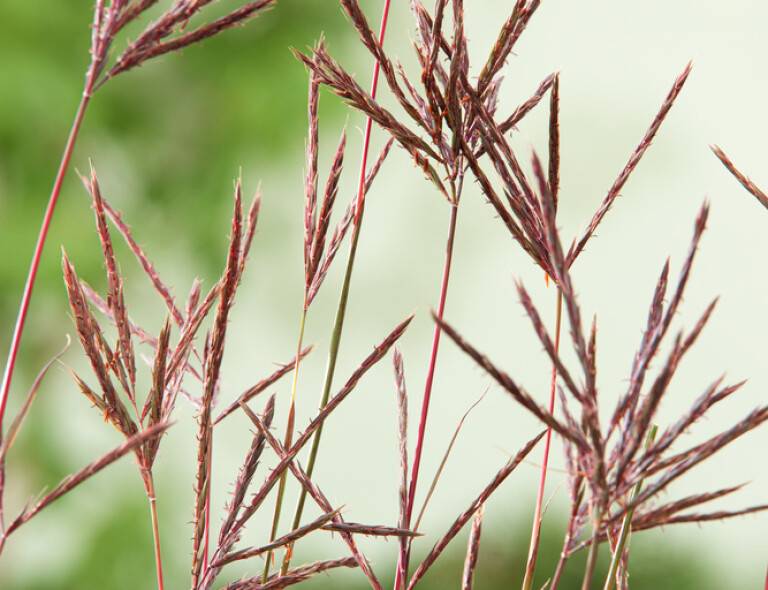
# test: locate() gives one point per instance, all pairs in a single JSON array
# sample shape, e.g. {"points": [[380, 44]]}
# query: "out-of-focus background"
{"points": [[168, 140]]}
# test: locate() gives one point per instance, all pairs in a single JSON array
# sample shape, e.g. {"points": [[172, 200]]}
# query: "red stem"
{"points": [[37, 255], [369, 123], [402, 567], [533, 550]]}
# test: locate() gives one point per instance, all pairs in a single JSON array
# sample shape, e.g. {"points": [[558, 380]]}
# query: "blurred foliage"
{"points": [[502, 561], [500, 564], [129, 570], [169, 133]]}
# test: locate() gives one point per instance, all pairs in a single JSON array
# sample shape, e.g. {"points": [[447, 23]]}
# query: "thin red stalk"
{"points": [[405, 555], [533, 550], [369, 124], [26, 297], [287, 442]]}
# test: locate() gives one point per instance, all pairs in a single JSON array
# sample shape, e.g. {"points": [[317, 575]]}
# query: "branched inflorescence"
{"points": [[608, 459]]}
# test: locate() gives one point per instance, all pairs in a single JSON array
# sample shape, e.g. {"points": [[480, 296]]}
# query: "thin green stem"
{"points": [[287, 442], [589, 568], [533, 550], [569, 535], [333, 353], [341, 310], [626, 524], [149, 486]]}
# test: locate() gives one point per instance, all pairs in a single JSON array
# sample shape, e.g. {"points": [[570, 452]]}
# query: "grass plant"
{"points": [[445, 116]]}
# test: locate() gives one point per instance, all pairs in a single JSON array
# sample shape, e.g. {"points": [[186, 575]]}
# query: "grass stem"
{"points": [[533, 550], [287, 442], [149, 487], [626, 525], [29, 286], [341, 309], [405, 554], [589, 568], [328, 383], [559, 569]]}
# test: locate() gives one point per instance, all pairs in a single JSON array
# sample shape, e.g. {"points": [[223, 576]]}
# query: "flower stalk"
{"points": [[341, 309]]}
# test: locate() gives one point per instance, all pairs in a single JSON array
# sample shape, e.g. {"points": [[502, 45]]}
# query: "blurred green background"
{"points": [[169, 138]]}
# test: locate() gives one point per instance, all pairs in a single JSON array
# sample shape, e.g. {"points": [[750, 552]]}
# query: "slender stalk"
{"points": [[287, 443], [570, 532], [589, 568], [435, 480], [344, 296], [329, 371], [149, 487], [405, 555], [626, 524], [29, 286], [533, 550], [559, 569]]}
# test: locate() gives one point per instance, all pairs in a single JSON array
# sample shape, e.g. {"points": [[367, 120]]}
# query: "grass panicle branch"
{"points": [[473, 551], [402, 439], [290, 538], [320, 499], [743, 179], [15, 427], [287, 456], [611, 474], [632, 163], [292, 577], [263, 385], [210, 384], [553, 186], [444, 461], [72, 481], [442, 105]]}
